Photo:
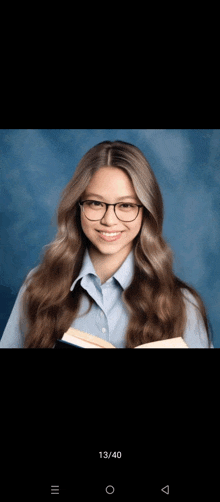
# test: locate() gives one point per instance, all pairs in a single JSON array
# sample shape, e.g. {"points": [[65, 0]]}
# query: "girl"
{"points": [[109, 270]]}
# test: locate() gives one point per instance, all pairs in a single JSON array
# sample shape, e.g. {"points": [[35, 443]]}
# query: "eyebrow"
{"points": [[100, 197]]}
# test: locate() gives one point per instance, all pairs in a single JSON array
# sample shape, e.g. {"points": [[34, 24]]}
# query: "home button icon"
{"points": [[110, 489]]}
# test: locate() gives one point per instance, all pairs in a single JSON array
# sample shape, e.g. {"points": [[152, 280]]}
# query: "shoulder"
{"points": [[189, 298], [27, 278], [29, 274], [195, 334], [13, 335]]}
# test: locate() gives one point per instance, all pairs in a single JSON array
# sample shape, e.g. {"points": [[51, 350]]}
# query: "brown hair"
{"points": [[154, 298]]}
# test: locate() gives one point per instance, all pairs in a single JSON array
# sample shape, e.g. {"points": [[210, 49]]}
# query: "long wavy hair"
{"points": [[154, 299]]}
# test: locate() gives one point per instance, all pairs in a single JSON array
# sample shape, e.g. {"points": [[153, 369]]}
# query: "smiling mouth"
{"points": [[110, 234]]}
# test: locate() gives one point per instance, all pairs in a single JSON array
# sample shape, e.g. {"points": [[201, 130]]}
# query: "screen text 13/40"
{"points": [[110, 454]]}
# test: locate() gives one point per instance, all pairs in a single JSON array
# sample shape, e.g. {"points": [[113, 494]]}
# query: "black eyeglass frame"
{"points": [[106, 204]]}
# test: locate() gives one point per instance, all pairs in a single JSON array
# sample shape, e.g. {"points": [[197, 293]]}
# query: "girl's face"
{"points": [[111, 185]]}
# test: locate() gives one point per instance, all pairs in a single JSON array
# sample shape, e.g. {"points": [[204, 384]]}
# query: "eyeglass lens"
{"points": [[95, 210]]}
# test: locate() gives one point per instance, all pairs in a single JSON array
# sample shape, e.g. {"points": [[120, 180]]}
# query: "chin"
{"points": [[108, 249]]}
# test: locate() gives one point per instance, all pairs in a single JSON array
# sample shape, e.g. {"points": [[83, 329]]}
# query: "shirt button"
{"points": [[103, 330], [102, 314]]}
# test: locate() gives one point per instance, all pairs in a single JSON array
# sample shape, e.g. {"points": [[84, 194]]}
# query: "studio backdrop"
{"points": [[36, 165]]}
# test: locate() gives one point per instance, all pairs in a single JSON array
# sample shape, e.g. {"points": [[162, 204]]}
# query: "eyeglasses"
{"points": [[95, 210]]}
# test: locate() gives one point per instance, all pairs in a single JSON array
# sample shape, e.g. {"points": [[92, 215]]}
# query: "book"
{"points": [[76, 339]]}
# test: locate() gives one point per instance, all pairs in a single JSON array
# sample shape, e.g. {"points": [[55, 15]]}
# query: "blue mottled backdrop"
{"points": [[37, 164]]}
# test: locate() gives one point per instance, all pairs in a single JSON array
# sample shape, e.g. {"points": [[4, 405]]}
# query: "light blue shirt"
{"points": [[108, 317]]}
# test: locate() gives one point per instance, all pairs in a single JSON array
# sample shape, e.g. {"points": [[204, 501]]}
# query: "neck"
{"points": [[106, 265]]}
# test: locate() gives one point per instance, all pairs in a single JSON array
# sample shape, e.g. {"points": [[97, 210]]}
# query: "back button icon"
{"points": [[166, 489]]}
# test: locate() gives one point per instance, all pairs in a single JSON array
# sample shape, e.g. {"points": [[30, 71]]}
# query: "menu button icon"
{"points": [[54, 490]]}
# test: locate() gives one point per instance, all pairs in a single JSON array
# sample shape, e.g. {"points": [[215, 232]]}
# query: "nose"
{"points": [[110, 217]]}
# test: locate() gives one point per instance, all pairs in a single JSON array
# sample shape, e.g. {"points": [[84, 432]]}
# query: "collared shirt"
{"points": [[108, 317]]}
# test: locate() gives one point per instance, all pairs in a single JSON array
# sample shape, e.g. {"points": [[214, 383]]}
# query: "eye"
{"points": [[126, 206], [94, 203]]}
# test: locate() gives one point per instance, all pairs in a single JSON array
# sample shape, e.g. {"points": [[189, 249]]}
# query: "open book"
{"points": [[74, 339]]}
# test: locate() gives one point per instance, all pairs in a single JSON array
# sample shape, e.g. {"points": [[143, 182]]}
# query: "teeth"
{"points": [[110, 235]]}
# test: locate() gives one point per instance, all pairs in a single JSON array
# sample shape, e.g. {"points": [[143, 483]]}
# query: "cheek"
{"points": [[140, 221], [86, 226], [136, 228]]}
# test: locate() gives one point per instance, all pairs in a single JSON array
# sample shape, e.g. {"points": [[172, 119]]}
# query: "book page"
{"points": [[172, 343], [83, 339]]}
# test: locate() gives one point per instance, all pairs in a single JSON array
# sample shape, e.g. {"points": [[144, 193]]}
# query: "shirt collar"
{"points": [[123, 275], [87, 268]]}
